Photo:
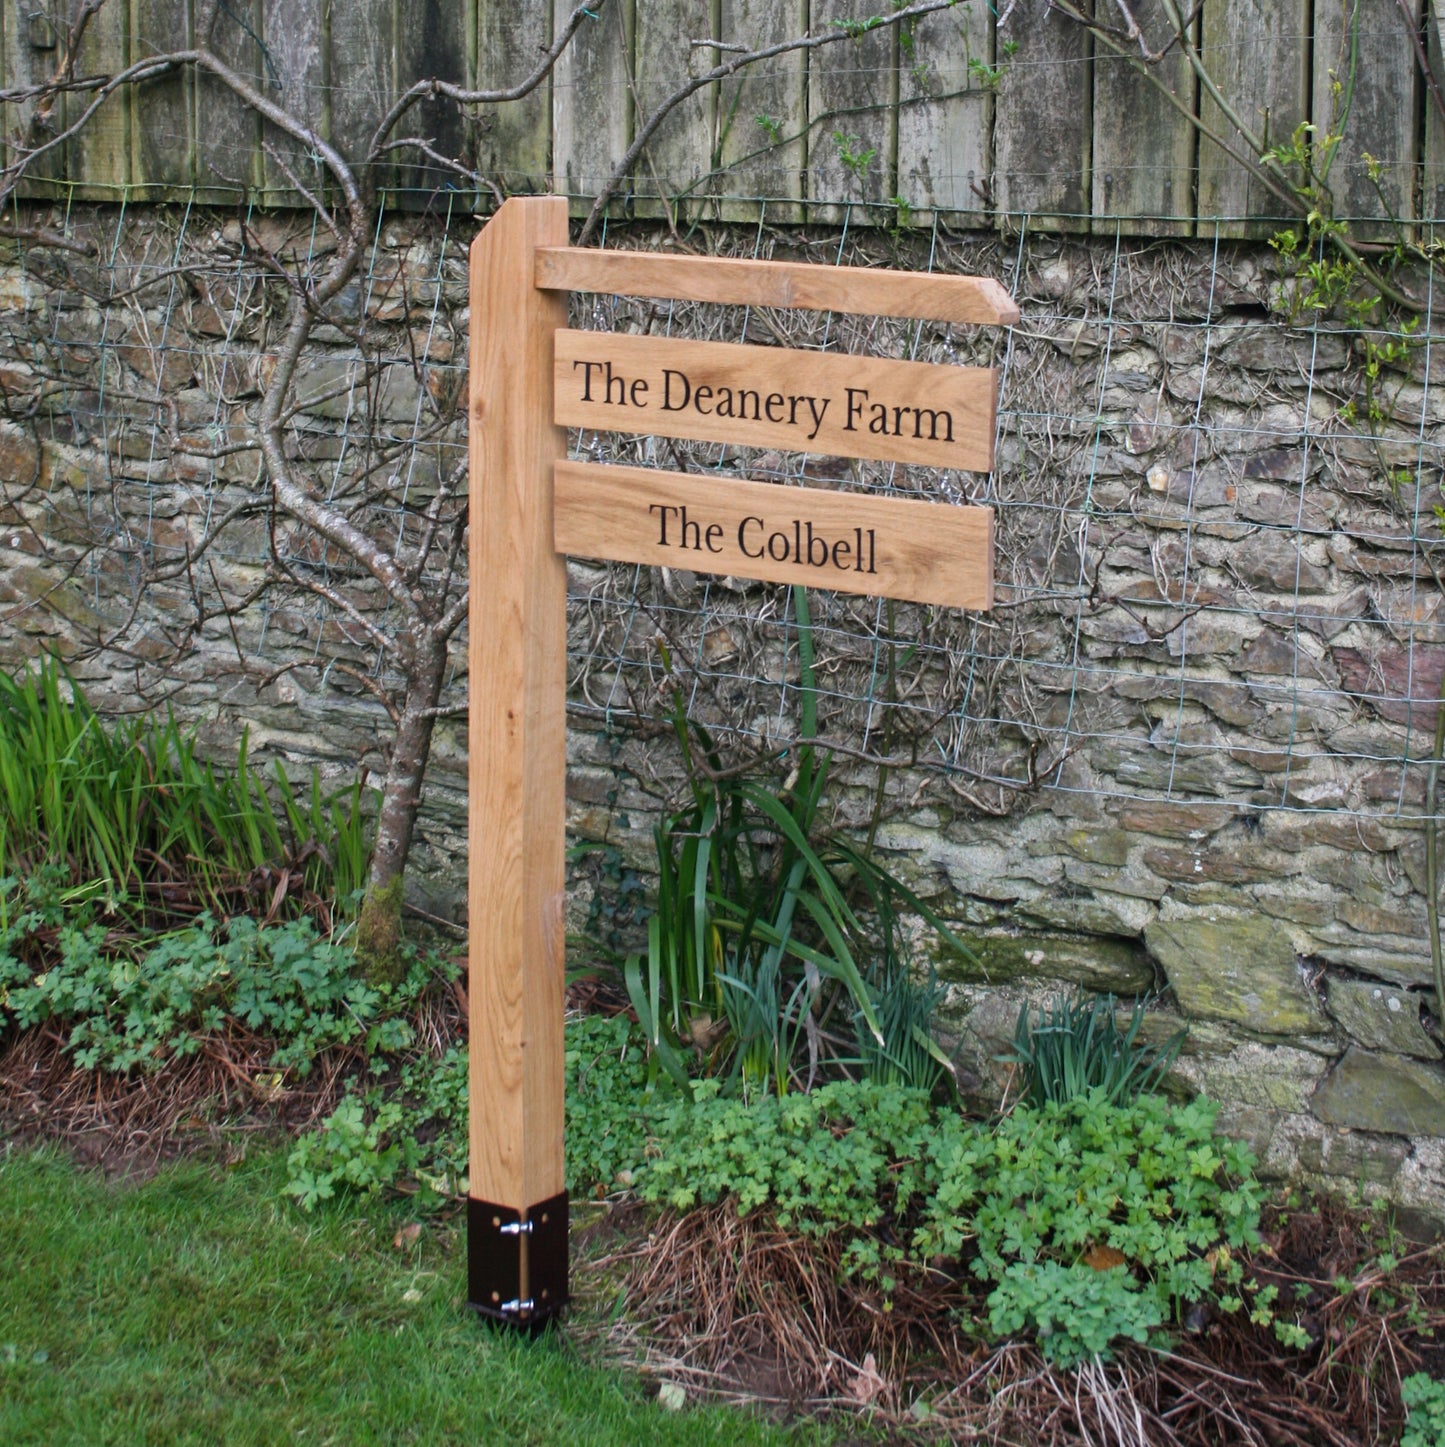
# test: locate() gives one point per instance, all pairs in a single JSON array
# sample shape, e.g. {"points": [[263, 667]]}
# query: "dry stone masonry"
{"points": [[1188, 752]]}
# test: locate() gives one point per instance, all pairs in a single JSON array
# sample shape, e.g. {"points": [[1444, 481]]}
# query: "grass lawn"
{"points": [[202, 1307]]}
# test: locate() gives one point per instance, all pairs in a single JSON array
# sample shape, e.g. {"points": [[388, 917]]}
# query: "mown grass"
{"points": [[199, 1307]]}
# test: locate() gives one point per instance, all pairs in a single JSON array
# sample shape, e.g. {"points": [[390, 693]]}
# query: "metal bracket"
{"points": [[517, 1261]]}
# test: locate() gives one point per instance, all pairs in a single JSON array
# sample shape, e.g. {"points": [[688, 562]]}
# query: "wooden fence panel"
{"points": [[514, 141], [297, 64], [763, 113], [1432, 169], [945, 114], [944, 117], [852, 118], [228, 134], [1144, 146], [98, 159], [27, 62], [591, 110], [679, 155], [1043, 118], [433, 38], [1257, 53], [1364, 61], [163, 138], [362, 77]]}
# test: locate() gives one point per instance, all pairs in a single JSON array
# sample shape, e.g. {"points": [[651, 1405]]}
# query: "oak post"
{"points": [[517, 1211]]}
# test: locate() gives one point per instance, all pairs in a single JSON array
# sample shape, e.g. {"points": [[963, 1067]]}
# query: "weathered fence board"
{"points": [[228, 134], [1144, 146], [591, 116], [1257, 53], [363, 76], [763, 112], [679, 154], [99, 156], [1432, 187], [25, 64], [945, 114], [162, 140], [433, 38], [514, 140], [852, 115], [294, 33], [1042, 126], [1366, 82], [893, 124]]}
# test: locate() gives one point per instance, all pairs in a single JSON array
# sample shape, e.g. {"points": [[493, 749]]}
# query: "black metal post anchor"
{"points": [[517, 1261]]}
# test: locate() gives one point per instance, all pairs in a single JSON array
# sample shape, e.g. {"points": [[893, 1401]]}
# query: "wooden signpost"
{"points": [[531, 378]]}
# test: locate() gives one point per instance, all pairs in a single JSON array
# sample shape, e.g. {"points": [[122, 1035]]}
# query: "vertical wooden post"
{"points": [[517, 1213]]}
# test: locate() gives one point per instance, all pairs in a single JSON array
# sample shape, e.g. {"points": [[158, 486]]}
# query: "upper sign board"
{"points": [[825, 402]]}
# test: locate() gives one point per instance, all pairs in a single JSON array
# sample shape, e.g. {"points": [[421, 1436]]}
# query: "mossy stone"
{"points": [[1112, 965], [1380, 1017], [1392, 1093], [1237, 969]]}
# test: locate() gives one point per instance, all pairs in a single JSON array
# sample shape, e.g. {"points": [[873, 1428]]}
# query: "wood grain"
{"points": [[678, 158], [514, 140], [295, 33], [23, 65], [517, 712], [852, 118], [763, 113], [163, 140], [1043, 119], [1143, 162], [228, 133], [591, 108], [1257, 51], [433, 38], [869, 292], [825, 402], [1382, 95], [99, 156], [362, 67], [945, 115], [850, 542]]}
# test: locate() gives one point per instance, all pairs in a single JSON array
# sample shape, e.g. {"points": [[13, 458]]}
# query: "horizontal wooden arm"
{"points": [[740, 282]]}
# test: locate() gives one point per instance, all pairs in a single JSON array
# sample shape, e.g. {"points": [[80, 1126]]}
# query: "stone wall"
{"points": [[1189, 750]]}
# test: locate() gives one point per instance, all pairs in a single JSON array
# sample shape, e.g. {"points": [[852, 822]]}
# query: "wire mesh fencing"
{"points": [[1218, 538]]}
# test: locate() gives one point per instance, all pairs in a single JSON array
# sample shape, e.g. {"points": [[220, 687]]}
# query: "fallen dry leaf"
{"points": [[1104, 1258], [867, 1385], [407, 1236]]}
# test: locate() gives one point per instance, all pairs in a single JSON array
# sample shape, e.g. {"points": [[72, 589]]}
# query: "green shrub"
{"points": [[1424, 1397], [415, 1124], [1074, 1312], [1083, 1222], [1022, 1205], [769, 918], [826, 1161], [127, 1005]]}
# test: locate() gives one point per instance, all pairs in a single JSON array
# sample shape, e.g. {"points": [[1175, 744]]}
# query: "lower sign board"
{"points": [[852, 542], [939, 416]]}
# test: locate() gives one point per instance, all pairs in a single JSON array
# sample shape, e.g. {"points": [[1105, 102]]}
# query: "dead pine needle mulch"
{"points": [[741, 1308], [129, 1124]]}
